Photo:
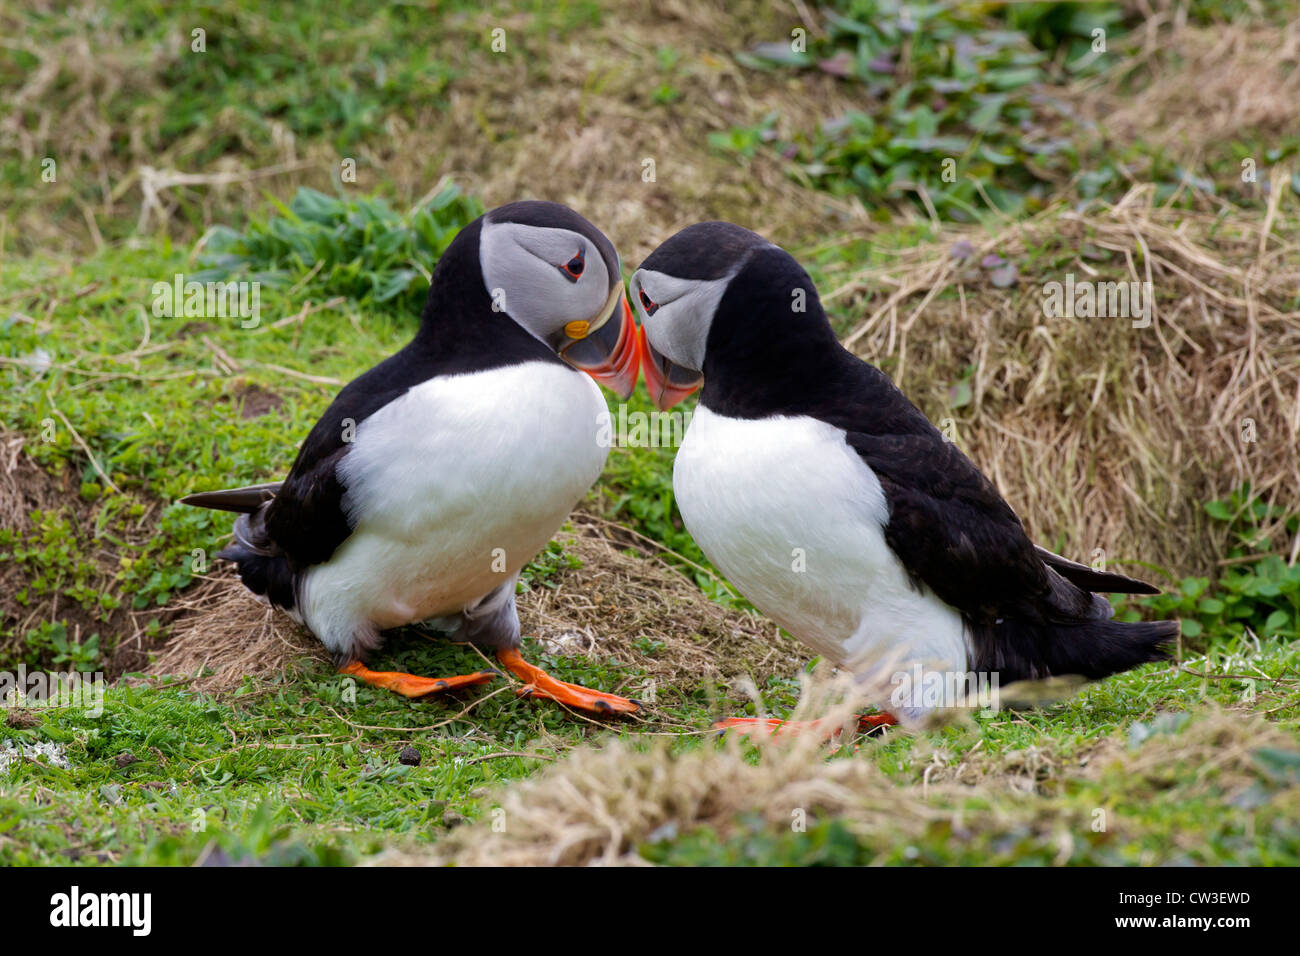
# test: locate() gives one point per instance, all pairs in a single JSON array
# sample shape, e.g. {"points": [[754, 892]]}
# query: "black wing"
{"points": [[1032, 613], [949, 526], [306, 521]]}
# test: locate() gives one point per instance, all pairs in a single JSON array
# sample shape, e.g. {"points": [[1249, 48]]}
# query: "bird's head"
{"points": [[557, 276], [718, 299]]}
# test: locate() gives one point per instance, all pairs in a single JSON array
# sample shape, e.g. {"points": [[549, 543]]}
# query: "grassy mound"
{"points": [[1136, 426]]}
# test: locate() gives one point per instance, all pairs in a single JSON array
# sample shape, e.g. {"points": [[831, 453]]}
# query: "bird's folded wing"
{"points": [[949, 526], [1093, 580]]}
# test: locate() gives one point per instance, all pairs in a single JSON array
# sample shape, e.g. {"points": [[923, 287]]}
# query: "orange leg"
{"points": [[538, 683], [409, 685], [773, 726]]}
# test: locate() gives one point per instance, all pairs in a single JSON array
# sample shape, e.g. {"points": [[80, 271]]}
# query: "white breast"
{"points": [[795, 519], [452, 488]]}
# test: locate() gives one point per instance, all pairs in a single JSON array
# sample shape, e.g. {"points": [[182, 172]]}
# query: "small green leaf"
{"points": [[1218, 510], [1276, 621]]}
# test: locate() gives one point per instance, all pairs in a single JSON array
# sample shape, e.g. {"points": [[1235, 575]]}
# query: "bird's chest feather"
{"points": [[795, 519], [457, 484]]}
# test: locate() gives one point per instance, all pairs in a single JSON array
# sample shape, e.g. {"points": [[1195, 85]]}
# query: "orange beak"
{"points": [[667, 381], [608, 353]]}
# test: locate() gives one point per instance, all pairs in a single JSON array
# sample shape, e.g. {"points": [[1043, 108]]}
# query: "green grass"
{"points": [[296, 772], [964, 110]]}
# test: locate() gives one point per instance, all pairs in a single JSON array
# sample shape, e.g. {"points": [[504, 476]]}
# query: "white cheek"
{"points": [[680, 326], [532, 290]]}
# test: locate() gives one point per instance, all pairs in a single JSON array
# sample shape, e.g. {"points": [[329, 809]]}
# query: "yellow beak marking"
{"points": [[578, 329]]}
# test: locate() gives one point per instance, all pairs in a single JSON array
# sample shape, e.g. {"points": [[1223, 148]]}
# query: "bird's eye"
{"points": [[573, 268], [650, 306]]}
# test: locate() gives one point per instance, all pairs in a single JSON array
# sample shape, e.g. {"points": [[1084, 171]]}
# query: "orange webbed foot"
{"points": [[412, 685], [775, 727], [538, 683]]}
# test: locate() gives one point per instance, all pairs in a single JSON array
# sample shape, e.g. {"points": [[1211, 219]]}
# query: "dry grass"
{"points": [[603, 609], [571, 119], [224, 636], [582, 138], [1216, 749], [1136, 427], [599, 804], [1192, 89], [622, 594]]}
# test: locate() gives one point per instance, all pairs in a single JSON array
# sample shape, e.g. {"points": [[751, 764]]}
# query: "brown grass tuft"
{"points": [[598, 805], [1136, 427], [604, 608], [225, 636], [1191, 89]]}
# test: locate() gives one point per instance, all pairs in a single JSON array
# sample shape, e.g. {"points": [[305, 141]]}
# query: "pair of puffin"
{"points": [[434, 477]]}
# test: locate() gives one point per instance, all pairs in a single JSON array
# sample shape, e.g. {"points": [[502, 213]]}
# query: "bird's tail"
{"points": [[263, 568], [1069, 629], [241, 500], [1097, 649]]}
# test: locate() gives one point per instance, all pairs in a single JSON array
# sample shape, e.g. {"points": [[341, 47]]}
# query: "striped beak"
{"points": [[606, 349], [667, 381]]}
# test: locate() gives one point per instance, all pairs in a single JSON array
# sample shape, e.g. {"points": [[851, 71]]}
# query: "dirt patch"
{"points": [[255, 401], [26, 487], [27, 490]]}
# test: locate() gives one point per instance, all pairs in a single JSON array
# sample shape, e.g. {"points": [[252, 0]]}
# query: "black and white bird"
{"points": [[434, 477], [835, 506]]}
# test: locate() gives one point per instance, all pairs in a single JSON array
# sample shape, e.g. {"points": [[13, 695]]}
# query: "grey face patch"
{"points": [[522, 270], [679, 327]]}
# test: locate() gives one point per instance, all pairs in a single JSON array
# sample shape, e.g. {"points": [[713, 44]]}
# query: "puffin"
{"points": [[836, 507], [434, 477]]}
